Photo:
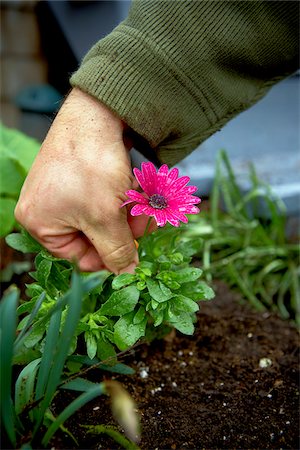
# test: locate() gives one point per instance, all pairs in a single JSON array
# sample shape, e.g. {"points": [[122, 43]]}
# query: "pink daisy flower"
{"points": [[166, 196]]}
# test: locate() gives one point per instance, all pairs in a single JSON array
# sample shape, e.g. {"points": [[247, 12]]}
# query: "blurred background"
{"points": [[43, 42]]}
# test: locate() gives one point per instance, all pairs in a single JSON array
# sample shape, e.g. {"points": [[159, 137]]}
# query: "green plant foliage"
{"points": [[38, 382], [247, 245], [164, 292], [17, 152]]}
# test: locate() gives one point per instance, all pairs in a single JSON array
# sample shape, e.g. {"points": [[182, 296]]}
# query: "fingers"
{"points": [[74, 247], [114, 243]]}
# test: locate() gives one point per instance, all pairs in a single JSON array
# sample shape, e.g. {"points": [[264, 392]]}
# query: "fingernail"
{"points": [[129, 269]]}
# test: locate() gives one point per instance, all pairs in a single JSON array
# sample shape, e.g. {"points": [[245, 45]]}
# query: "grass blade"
{"points": [[24, 388], [8, 323], [72, 408]]}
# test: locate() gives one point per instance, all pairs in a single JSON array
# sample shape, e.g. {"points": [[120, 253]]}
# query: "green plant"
{"points": [[17, 152], [246, 245], [163, 293], [28, 400]]}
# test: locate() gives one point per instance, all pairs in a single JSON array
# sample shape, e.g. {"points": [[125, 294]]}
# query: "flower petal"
{"points": [[176, 186], [140, 178], [173, 175], [184, 200], [188, 190], [137, 210], [136, 196], [162, 177], [160, 217], [150, 178], [177, 215], [189, 209], [171, 218]]}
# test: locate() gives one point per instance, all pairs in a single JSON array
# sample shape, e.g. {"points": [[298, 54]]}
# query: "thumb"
{"points": [[114, 242]]}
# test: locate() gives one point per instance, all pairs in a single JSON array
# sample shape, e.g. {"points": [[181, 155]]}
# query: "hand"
{"points": [[70, 201]]}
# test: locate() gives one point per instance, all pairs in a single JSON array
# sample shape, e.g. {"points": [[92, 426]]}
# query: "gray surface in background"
{"points": [[267, 134]]}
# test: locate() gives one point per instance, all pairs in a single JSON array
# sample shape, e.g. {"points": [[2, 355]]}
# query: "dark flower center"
{"points": [[158, 201]]}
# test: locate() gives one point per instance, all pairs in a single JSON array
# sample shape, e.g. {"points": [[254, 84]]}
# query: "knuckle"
{"points": [[121, 256], [21, 212]]}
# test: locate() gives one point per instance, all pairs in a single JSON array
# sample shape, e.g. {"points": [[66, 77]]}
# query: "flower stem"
{"points": [[147, 227]]}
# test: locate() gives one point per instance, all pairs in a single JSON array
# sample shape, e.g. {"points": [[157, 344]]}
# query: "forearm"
{"points": [[177, 84]]}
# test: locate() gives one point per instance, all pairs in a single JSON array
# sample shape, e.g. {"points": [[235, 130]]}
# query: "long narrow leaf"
{"points": [[62, 344], [25, 384], [8, 323], [26, 330], [72, 408]]}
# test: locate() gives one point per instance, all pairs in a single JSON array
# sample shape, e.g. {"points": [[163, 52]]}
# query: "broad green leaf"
{"points": [[123, 280], [43, 272], [18, 146], [126, 332], [158, 317], [157, 291], [7, 219], [23, 242], [12, 176], [187, 274], [184, 323], [176, 258], [189, 247], [199, 290], [34, 337], [105, 350], [185, 304], [121, 302], [25, 355], [140, 315]]}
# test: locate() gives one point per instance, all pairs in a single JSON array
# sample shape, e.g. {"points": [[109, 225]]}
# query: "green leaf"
{"points": [[121, 302], [12, 176], [185, 304], [8, 320], [78, 384], [84, 398], [158, 291], [57, 347], [18, 146], [123, 280], [187, 274], [140, 315], [34, 337], [106, 351], [25, 384], [117, 368], [91, 344], [23, 242], [183, 323], [198, 291], [7, 218], [190, 247], [176, 258], [126, 333], [43, 272]]}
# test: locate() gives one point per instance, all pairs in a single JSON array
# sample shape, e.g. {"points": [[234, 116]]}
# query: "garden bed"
{"points": [[209, 390]]}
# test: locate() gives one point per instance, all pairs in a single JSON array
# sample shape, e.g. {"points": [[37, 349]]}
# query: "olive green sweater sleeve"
{"points": [[176, 71]]}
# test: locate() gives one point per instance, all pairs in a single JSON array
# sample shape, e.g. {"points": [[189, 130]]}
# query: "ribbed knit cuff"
{"points": [[132, 79], [176, 72]]}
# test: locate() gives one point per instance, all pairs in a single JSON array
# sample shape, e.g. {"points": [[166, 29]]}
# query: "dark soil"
{"points": [[208, 391]]}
